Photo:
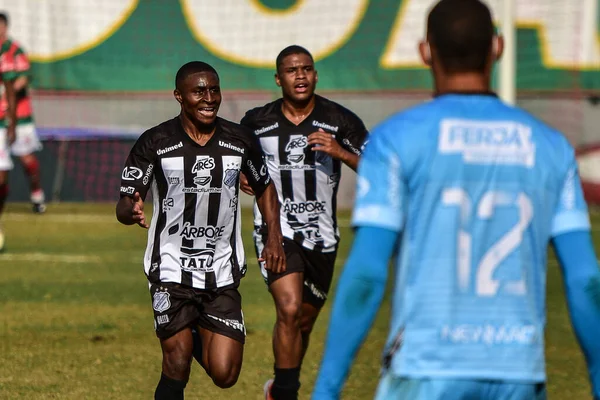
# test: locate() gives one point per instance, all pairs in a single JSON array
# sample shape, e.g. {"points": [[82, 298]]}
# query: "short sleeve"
{"points": [[22, 64], [355, 135], [381, 191], [8, 70], [138, 172], [571, 213], [254, 167], [248, 120]]}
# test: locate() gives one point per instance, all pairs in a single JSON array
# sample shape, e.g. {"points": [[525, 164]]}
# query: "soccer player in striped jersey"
{"points": [[195, 257], [305, 138], [26, 142], [7, 125], [473, 190]]}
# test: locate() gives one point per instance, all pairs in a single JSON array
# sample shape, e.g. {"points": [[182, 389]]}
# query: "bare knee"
{"points": [[224, 358], [224, 372], [289, 311], [176, 365], [177, 356], [225, 378]]}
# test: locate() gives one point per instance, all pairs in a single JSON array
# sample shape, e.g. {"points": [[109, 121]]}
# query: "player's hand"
{"points": [[325, 142], [11, 134], [245, 186], [273, 255], [137, 211]]}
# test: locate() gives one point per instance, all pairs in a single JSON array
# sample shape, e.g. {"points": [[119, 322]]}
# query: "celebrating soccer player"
{"points": [[473, 190], [26, 142], [305, 138], [195, 258]]}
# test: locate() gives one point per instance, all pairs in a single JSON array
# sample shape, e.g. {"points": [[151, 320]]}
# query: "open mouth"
{"points": [[207, 112], [301, 87]]}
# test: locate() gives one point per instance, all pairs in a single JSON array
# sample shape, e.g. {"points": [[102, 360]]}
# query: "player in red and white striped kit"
{"points": [[26, 142]]}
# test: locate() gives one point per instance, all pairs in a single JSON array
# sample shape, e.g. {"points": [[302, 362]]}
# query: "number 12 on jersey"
{"points": [[485, 285]]}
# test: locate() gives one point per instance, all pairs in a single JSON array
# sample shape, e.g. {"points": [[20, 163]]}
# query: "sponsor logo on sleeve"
{"points": [[148, 174], [253, 170], [127, 189], [351, 147], [131, 174]]}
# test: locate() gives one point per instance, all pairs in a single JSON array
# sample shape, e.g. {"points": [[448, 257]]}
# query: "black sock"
{"points": [[169, 389], [286, 384]]}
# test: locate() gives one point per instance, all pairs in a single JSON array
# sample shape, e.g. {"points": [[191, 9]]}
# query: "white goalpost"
{"points": [[507, 85]]}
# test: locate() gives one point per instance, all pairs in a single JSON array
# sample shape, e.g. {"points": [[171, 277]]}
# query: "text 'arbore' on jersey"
{"points": [[195, 233], [306, 180]]}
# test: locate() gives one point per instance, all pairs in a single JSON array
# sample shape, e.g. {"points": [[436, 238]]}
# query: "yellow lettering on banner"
{"points": [[246, 32], [55, 30], [559, 26]]}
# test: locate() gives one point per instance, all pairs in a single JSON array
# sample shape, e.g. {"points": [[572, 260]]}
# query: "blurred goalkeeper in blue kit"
{"points": [[469, 191]]}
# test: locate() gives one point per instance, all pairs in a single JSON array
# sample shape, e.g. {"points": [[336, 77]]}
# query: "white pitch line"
{"points": [[47, 257], [60, 218]]}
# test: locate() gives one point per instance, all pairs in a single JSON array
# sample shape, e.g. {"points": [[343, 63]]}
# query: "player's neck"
{"points": [[200, 134], [470, 82], [297, 112]]}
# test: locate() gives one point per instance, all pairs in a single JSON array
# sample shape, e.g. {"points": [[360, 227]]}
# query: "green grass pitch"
{"points": [[76, 318]]}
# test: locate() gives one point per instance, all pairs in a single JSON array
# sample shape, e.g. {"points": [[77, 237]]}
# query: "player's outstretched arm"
{"points": [[130, 210], [357, 300], [579, 265], [273, 254]]}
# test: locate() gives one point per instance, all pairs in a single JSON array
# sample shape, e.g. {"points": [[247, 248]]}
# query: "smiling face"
{"points": [[297, 77], [200, 97]]}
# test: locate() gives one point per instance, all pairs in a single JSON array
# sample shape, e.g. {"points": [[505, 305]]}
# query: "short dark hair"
{"points": [[4, 17], [193, 67], [462, 33], [288, 51]]}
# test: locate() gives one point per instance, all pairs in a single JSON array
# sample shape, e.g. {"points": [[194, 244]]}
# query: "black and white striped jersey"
{"points": [[306, 181], [195, 233]]}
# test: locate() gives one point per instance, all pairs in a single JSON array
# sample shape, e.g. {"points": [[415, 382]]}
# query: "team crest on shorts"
{"points": [[161, 301]]}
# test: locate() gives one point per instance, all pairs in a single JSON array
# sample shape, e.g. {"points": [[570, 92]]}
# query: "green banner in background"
{"points": [[131, 45]]}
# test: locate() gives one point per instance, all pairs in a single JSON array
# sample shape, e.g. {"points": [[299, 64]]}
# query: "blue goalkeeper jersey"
{"points": [[476, 189]]}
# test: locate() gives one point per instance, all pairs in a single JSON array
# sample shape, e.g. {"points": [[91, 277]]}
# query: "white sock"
{"points": [[38, 196]]}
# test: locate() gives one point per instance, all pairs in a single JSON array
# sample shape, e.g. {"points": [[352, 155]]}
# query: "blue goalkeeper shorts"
{"points": [[396, 388]]}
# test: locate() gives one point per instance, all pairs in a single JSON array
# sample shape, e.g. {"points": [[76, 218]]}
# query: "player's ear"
{"points": [[425, 51], [497, 47], [277, 80], [177, 95]]}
